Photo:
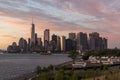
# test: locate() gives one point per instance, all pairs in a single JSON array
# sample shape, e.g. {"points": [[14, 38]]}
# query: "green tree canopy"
{"points": [[59, 75], [75, 76], [73, 55], [38, 70]]}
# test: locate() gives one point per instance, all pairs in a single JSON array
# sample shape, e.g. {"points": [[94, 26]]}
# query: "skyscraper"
{"points": [[36, 40], [32, 35], [46, 39], [14, 45], [23, 45], [13, 48], [54, 43], [69, 45], [82, 41], [39, 42], [63, 43], [72, 36], [105, 43], [29, 42], [54, 38], [95, 41], [58, 43]]}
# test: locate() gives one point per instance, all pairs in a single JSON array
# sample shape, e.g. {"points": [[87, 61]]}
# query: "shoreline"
{"points": [[26, 76], [29, 76]]}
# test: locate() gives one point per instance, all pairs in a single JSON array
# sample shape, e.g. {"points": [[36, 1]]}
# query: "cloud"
{"points": [[61, 15], [9, 36]]}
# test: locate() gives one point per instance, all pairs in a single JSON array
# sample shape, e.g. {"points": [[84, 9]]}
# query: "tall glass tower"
{"points": [[33, 34]]}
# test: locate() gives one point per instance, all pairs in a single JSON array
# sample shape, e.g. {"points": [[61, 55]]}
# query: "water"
{"points": [[15, 65]]}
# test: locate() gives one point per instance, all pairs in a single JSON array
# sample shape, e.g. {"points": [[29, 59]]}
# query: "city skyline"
{"points": [[15, 19], [79, 42]]}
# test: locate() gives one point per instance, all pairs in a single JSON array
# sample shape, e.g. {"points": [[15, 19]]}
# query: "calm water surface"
{"points": [[15, 65]]}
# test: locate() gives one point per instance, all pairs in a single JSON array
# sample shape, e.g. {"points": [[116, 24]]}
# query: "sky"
{"points": [[61, 17]]}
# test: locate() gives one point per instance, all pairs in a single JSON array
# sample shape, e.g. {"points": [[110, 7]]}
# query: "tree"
{"points": [[95, 69], [47, 69], [85, 57], [73, 55], [50, 67], [87, 54], [45, 76], [38, 70], [75, 76], [103, 67], [59, 75]]}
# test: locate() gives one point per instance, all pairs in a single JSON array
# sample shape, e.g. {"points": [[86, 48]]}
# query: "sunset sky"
{"points": [[61, 17]]}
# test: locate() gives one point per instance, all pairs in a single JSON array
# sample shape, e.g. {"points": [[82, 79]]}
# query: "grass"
{"points": [[85, 74], [107, 75]]}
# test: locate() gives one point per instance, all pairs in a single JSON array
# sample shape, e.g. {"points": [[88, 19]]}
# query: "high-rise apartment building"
{"points": [[54, 43], [69, 45], [58, 43], [82, 41], [105, 43], [40, 44], [23, 45], [46, 39], [36, 40], [29, 46], [95, 41], [72, 36]]}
